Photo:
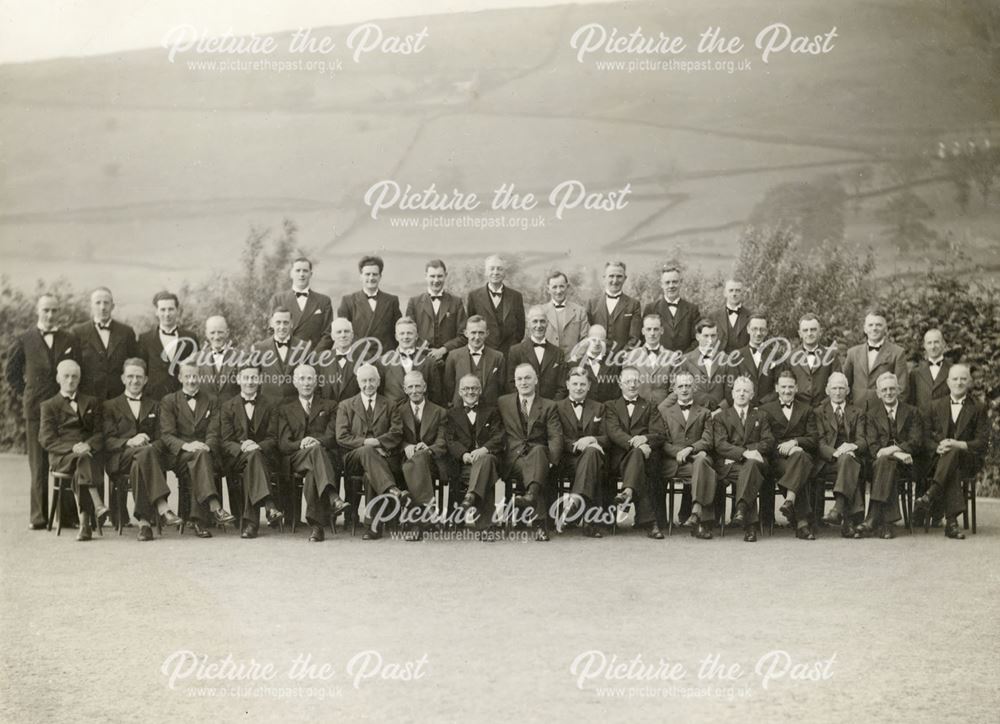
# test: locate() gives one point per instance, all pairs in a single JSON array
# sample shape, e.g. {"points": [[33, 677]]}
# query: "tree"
{"points": [[905, 214], [813, 210]]}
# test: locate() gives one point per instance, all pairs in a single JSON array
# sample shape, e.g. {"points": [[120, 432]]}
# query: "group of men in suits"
{"points": [[587, 396]]}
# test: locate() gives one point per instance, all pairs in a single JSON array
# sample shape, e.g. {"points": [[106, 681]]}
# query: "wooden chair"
{"points": [[63, 483]]}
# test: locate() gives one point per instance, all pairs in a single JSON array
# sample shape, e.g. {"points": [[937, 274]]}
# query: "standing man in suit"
{"points": [[474, 435], [423, 445], [678, 316], [278, 356], [311, 311], [928, 382], [796, 438], [485, 363], [132, 444], [105, 344], [567, 321], [369, 431], [687, 443], [72, 434], [189, 433], [545, 357], [248, 436], [959, 436], [712, 376], [585, 450], [440, 318], [635, 429], [742, 441], [31, 374], [840, 454], [731, 321], [616, 311], [163, 347], [894, 431], [811, 363], [501, 306], [867, 362], [407, 357], [372, 312], [655, 362], [217, 360], [337, 370], [534, 444], [601, 371], [307, 435], [755, 363]]}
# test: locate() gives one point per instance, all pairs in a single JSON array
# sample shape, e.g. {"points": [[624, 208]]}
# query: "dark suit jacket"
{"points": [[393, 373], [623, 325], [542, 428], [678, 434], [709, 390], [924, 389], [678, 330], [354, 425], [763, 377], [163, 381], [432, 426], [380, 324], [222, 383], [731, 439], [31, 367], [826, 425], [338, 383], [890, 358], [645, 420], [310, 323], [101, 369], [801, 427], [61, 428], [909, 433], [461, 438], [293, 426], [811, 381], [235, 426], [551, 372], [490, 373], [179, 425], [119, 425], [505, 324], [444, 329], [276, 376], [735, 337], [592, 423], [972, 427]]}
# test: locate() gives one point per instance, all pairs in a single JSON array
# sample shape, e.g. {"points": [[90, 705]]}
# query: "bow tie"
{"points": [[786, 407], [612, 296], [579, 404], [672, 304], [496, 294], [958, 402], [190, 397], [133, 399], [372, 296], [340, 356], [630, 402], [653, 351], [475, 354], [706, 358], [730, 310], [103, 326], [250, 402], [408, 355], [169, 334], [559, 306], [874, 349], [280, 344], [436, 297], [536, 345], [685, 407], [935, 364], [470, 409], [301, 294], [70, 399]]}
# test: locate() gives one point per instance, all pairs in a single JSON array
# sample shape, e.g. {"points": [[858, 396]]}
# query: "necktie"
{"points": [[308, 404], [524, 406], [838, 412], [743, 416], [369, 407]]}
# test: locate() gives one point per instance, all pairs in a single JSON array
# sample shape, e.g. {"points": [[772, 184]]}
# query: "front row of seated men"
{"points": [[399, 450]]}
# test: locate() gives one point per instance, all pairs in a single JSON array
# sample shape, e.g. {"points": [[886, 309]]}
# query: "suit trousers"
{"points": [[636, 472], [948, 477], [87, 472], [199, 470], [252, 469], [746, 477], [320, 477], [146, 477], [884, 491]]}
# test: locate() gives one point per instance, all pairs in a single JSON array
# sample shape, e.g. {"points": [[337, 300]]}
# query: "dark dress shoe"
{"points": [[834, 517], [338, 506], [317, 535], [371, 534], [171, 518], [888, 532], [250, 531], [738, 519], [787, 509], [101, 512], [541, 535], [201, 531], [701, 531], [274, 518], [954, 532], [750, 536], [36, 526], [592, 531], [692, 521], [145, 533], [803, 533], [223, 517], [624, 497], [922, 503], [654, 532], [847, 530], [528, 500], [863, 531]]}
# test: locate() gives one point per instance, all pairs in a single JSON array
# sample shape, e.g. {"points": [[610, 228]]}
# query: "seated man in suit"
{"points": [[189, 431], [218, 359], [894, 431], [567, 321], [500, 306], [424, 448], [131, 440], [307, 435], [71, 433], [712, 375], [755, 363], [545, 357], [743, 440], [337, 365], [395, 364], [372, 312], [731, 321], [796, 436], [248, 437], [165, 346], [841, 450], [484, 362], [369, 431], [959, 436], [867, 362], [928, 382], [602, 373], [678, 316], [656, 364], [278, 356], [585, 448], [810, 362], [534, 444], [635, 429], [616, 311], [474, 436], [687, 442], [311, 311]]}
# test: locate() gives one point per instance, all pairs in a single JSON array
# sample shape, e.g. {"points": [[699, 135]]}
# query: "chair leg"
{"points": [[57, 502], [972, 504], [53, 508]]}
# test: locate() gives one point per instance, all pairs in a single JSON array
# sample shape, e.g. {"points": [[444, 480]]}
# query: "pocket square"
{"points": [[152, 414], [598, 419], [318, 311]]}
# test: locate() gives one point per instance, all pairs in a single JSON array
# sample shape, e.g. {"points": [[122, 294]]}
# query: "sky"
{"points": [[42, 29]]}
